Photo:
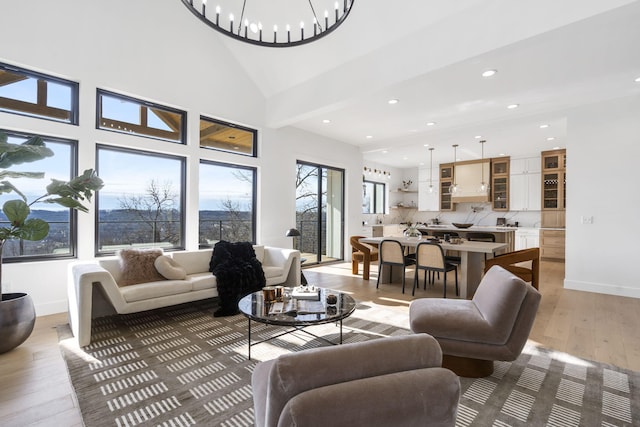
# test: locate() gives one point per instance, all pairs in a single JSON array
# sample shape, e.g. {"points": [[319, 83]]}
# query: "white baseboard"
{"points": [[602, 288]]}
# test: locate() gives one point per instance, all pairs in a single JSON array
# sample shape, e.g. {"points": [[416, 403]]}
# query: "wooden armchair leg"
{"points": [[365, 268], [354, 266]]}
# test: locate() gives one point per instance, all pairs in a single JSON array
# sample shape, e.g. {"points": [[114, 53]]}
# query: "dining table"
{"points": [[472, 256]]}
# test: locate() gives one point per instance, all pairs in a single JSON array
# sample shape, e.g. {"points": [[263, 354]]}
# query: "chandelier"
{"points": [[281, 23]]}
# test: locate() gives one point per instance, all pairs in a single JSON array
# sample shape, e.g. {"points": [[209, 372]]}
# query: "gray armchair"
{"points": [[494, 325], [394, 381]]}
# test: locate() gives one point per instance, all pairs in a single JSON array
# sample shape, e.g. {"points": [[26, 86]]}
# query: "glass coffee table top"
{"points": [[298, 312]]}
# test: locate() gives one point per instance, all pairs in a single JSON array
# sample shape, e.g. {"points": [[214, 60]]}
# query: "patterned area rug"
{"points": [[180, 366]]}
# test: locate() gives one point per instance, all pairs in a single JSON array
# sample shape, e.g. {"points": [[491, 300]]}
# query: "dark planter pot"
{"points": [[17, 318]]}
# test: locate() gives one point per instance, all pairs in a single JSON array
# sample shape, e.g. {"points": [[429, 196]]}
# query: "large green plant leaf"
{"points": [[74, 191], [30, 151], [16, 212], [33, 229]]}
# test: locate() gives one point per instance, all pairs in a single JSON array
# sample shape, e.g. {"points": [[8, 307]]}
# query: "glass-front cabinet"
{"points": [[446, 180], [500, 183], [554, 180]]}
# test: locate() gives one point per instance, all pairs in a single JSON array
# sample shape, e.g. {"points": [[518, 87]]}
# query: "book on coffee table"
{"points": [[306, 293]]}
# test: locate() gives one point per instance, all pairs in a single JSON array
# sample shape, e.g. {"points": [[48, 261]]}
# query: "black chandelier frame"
{"points": [[242, 32]]}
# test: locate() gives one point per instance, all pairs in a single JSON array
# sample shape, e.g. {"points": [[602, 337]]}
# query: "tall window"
{"points": [[38, 95], [229, 137], [373, 197], [227, 203], [142, 202], [319, 212], [62, 227], [119, 113]]}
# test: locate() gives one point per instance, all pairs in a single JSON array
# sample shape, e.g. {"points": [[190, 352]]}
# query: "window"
{"points": [[373, 197], [319, 212], [142, 201], [62, 225], [38, 95], [227, 203], [228, 137], [119, 113]]}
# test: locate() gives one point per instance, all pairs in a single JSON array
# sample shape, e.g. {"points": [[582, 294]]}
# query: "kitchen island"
{"points": [[502, 234]]}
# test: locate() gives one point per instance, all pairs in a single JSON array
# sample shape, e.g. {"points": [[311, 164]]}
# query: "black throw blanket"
{"points": [[238, 273]]}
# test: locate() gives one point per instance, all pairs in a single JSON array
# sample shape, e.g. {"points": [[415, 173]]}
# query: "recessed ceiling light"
{"points": [[326, 121], [544, 126], [501, 154], [384, 151], [405, 158], [489, 73], [551, 138], [637, 80], [512, 106], [478, 136], [556, 148], [431, 123], [369, 136], [393, 101], [426, 145]]}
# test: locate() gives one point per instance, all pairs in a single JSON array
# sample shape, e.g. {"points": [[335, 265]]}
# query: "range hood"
{"points": [[468, 176]]}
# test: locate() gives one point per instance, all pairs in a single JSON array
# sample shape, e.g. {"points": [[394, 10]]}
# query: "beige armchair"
{"points": [[395, 381], [362, 252], [494, 325]]}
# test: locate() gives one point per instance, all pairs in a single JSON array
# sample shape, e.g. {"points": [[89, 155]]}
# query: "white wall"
{"points": [[141, 48], [603, 169]]}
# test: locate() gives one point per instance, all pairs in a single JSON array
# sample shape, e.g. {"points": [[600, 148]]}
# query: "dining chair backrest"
{"points": [[479, 236], [429, 255], [390, 251], [440, 234]]}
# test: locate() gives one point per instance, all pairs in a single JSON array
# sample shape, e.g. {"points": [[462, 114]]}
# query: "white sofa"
{"points": [[280, 266]]}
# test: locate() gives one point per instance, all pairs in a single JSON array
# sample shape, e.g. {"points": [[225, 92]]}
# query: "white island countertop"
{"points": [[485, 228]]}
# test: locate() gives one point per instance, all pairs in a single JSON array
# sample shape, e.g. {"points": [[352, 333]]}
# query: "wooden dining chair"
{"points": [[390, 253], [513, 262], [430, 258], [362, 252]]}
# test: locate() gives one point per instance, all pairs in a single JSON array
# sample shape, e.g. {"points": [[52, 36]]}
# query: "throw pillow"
{"points": [[137, 266], [169, 268]]}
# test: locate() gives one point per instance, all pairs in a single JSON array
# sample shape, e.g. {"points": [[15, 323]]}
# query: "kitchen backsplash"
{"points": [[475, 213]]}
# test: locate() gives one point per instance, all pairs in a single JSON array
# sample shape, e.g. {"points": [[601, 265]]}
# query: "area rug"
{"points": [[180, 366]]}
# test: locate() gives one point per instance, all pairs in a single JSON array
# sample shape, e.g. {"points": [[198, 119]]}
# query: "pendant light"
{"points": [[484, 187], [431, 170], [454, 188]]}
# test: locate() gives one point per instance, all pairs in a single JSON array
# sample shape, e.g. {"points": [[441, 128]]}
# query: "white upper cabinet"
{"points": [[525, 187]]}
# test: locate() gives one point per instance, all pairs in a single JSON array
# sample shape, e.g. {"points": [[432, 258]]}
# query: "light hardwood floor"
{"points": [[35, 389]]}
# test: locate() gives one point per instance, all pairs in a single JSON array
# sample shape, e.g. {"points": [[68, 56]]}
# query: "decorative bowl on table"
{"points": [[458, 225]]}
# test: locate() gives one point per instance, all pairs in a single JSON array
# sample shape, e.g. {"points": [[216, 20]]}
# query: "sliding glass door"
{"points": [[319, 212]]}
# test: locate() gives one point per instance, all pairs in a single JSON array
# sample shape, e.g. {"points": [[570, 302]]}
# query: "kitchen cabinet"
{"points": [[527, 238], [554, 187], [552, 245], [428, 201], [446, 181], [500, 184], [524, 184]]}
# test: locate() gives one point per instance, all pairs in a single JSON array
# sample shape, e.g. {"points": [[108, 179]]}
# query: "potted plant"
{"points": [[17, 313]]}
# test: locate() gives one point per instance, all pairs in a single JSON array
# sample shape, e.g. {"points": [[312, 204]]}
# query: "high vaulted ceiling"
{"points": [[550, 56]]}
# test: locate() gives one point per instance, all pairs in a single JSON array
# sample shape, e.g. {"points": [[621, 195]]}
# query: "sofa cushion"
{"points": [[169, 268], [194, 261], [259, 250], [150, 290], [201, 281], [137, 266]]}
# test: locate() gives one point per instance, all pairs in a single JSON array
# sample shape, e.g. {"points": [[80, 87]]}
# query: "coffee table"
{"points": [[256, 309]]}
